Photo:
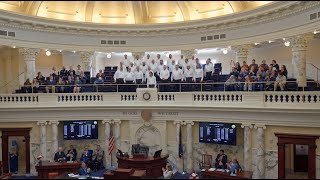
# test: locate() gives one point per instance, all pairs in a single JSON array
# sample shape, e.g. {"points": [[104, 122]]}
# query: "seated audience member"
{"points": [[262, 72], [60, 88], [78, 71], [98, 81], [230, 84], [234, 72], [167, 172], [234, 166], [129, 77], [151, 81], [77, 86], [84, 170], [59, 156], [86, 156], [248, 83], [275, 65], [198, 74], [119, 76], [27, 86], [245, 66], [243, 72], [270, 81], [281, 81], [69, 84], [240, 83], [71, 71], [35, 86], [284, 71], [51, 85], [259, 83], [254, 65], [40, 78], [208, 69], [97, 158], [269, 71], [83, 78], [73, 76], [238, 66], [252, 72], [101, 74], [138, 75], [264, 65], [63, 72], [71, 154], [221, 160]]}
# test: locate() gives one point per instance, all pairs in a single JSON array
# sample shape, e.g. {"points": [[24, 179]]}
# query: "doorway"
{"points": [[296, 156], [19, 136]]}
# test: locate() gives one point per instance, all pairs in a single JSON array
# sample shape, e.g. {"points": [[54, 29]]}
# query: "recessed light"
{"points": [[13, 46], [74, 51], [60, 50], [46, 50], [287, 43], [48, 53], [315, 32], [284, 39], [270, 41], [256, 43]]}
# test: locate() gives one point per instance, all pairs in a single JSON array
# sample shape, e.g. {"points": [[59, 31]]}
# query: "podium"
{"points": [[153, 166]]}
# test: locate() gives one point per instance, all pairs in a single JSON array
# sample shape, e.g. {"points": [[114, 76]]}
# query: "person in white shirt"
{"points": [[152, 81], [172, 66], [158, 58], [129, 77], [186, 63], [198, 74], [164, 77], [78, 71], [188, 74], [137, 61], [123, 67], [281, 81], [177, 75], [144, 67], [133, 67], [138, 76], [169, 61], [160, 66], [126, 61], [193, 63], [147, 60], [181, 62], [154, 67], [146, 75], [208, 69], [119, 76], [167, 172]]}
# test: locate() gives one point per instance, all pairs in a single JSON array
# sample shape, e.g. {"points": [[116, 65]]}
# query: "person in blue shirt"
{"points": [[234, 72], [259, 83], [51, 82], [86, 156], [84, 170], [240, 83], [234, 166]]}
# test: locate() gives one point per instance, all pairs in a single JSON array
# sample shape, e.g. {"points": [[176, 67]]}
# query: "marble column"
{"points": [[189, 147], [43, 138], [242, 52], [247, 153], [29, 57], [179, 160], [107, 158], [117, 131], [8, 62], [86, 59], [299, 57], [54, 136], [260, 143], [188, 54]]}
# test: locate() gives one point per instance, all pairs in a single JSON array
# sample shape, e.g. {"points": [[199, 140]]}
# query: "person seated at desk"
{"points": [[97, 157], [221, 160], [86, 156], [84, 170], [234, 166], [167, 172], [59, 156], [71, 154]]}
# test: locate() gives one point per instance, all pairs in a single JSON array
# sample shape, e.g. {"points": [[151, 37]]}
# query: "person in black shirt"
{"points": [[221, 160], [59, 156], [284, 71], [71, 70], [275, 65], [71, 154]]}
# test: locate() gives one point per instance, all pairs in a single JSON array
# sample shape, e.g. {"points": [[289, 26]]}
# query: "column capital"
{"points": [[243, 125], [53, 122], [177, 122], [116, 121], [140, 54], [263, 126], [300, 42], [106, 121], [29, 54], [189, 123], [86, 55], [188, 53], [42, 123], [242, 50]]}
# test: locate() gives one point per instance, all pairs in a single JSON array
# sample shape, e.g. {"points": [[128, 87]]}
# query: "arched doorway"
{"points": [[309, 140]]}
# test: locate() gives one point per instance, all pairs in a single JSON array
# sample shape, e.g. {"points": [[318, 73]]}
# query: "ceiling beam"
{"points": [[137, 11], [236, 5], [184, 10], [32, 7], [89, 11], [144, 11]]}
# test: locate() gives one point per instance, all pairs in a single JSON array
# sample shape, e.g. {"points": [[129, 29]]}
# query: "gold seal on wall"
{"points": [[146, 115]]}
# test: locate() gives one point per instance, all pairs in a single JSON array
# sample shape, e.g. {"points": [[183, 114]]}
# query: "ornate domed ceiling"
{"points": [[129, 12]]}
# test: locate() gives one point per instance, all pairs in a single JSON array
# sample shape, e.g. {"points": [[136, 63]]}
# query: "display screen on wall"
{"points": [[82, 129], [217, 133]]}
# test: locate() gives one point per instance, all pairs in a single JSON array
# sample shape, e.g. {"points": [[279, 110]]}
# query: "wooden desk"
{"points": [[153, 166], [60, 167], [224, 175], [121, 173]]}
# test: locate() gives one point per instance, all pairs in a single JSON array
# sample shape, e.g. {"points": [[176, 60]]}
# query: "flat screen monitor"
{"points": [[217, 133], [81, 129]]}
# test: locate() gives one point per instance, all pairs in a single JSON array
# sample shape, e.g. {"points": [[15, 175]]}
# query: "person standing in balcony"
{"points": [[121, 65], [160, 67], [177, 77], [193, 62], [281, 81], [133, 67], [144, 68], [158, 58], [198, 74], [248, 83], [264, 65], [71, 70], [137, 61], [252, 72], [181, 62], [208, 69], [164, 77], [54, 72], [35, 85], [78, 71], [129, 77], [126, 61], [188, 76], [27, 86], [186, 63], [230, 84], [275, 65], [245, 65], [254, 65], [147, 75], [169, 61], [154, 68], [234, 72], [147, 60], [237, 66], [151, 81], [40, 78], [172, 66], [51, 85], [138, 75], [63, 72], [119, 76]]}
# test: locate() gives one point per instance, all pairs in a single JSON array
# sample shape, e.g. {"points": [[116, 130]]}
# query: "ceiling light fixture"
{"points": [[74, 51], [46, 50], [315, 32], [284, 39], [256, 43], [270, 41], [48, 53], [225, 51], [109, 55], [287, 43], [60, 50], [13, 46]]}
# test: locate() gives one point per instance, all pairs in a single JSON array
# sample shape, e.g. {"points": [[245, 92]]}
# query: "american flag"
{"points": [[111, 142]]}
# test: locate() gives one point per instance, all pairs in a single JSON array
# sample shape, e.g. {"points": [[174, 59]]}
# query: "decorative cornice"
{"points": [[301, 41], [29, 54], [263, 126], [243, 125], [42, 123], [260, 15], [53, 122], [242, 50]]}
